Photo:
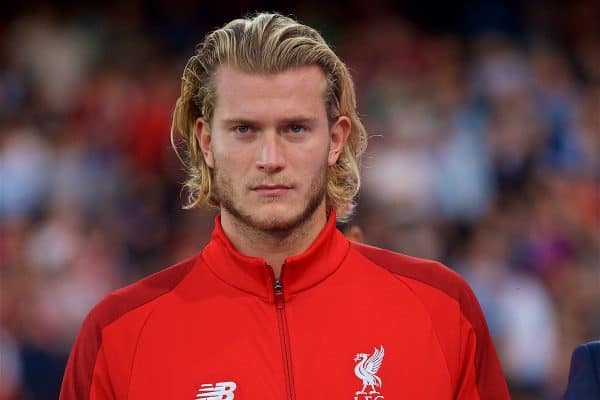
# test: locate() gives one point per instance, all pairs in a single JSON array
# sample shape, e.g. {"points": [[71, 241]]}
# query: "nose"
{"points": [[270, 158]]}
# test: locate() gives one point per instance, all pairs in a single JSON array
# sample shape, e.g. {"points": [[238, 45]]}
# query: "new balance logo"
{"points": [[219, 391]]}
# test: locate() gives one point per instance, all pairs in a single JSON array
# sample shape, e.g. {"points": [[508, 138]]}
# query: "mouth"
{"points": [[271, 190]]}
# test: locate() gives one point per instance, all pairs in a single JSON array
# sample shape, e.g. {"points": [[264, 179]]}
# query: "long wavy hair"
{"points": [[265, 44]]}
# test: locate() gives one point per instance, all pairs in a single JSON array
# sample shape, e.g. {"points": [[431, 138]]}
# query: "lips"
{"points": [[271, 190]]}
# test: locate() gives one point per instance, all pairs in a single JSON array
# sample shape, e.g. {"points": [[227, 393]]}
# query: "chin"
{"points": [[275, 218], [275, 221], [280, 216]]}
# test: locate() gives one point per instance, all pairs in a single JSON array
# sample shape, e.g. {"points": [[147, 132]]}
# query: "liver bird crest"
{"points": [[366, 369]]}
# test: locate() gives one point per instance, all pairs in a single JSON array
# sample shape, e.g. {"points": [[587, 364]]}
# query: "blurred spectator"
{"points": [[24, 172], [11, 367]]}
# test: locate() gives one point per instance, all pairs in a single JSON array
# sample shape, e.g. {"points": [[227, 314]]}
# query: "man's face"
{"points": [[270, 144]]}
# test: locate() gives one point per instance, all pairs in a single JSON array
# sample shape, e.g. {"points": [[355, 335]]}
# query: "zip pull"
{"points": [[278, 289], [278, 286]]}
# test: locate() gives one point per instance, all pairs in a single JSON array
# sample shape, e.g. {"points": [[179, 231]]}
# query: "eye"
{"points": [[295, 128], [242, 129]]}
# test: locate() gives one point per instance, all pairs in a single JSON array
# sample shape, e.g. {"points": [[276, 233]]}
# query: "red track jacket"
{"points": [[345, 321]]}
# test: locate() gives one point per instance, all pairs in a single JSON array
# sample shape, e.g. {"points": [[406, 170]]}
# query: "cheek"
{"points": [[314, 164], [232, 159]]}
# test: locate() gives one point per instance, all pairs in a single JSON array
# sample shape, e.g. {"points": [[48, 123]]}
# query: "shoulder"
{"points": [[135, 295], [84, 366], [446, 295], [588, 353], [456, 317], [431, 275], [584, 373]]}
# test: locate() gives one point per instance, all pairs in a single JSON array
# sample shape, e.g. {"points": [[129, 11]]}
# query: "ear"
{"points": [[203, 134], [339, 135]]}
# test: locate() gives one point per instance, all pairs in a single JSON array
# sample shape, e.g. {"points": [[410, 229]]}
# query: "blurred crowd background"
{"points": [[484, 119]]}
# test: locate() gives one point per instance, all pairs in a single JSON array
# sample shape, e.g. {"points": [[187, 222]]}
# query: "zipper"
{"points": [[285, 339]]}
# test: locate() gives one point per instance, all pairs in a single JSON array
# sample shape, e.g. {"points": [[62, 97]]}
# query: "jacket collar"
{"points": [[299, 272]]}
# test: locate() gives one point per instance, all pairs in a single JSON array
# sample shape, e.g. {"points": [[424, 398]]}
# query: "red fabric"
{"points": [[215, 318]]}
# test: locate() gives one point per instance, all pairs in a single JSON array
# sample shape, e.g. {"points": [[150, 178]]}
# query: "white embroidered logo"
{"points": [[219, 391], [366, 370]]}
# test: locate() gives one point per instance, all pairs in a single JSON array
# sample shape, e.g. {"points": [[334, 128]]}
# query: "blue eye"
{"points": [[296, 128], [243, 129]]}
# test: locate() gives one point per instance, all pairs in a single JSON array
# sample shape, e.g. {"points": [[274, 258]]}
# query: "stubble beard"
{"points": [[272, 225]]}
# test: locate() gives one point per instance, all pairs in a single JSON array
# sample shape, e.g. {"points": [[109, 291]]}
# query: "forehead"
{"points": [[253, 95]]}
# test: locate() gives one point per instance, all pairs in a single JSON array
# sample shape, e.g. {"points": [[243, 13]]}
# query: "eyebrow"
{"points": [[300, 120]]}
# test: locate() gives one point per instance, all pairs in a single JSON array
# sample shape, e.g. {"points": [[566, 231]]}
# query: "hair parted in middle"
{"points": [[266, 44]]}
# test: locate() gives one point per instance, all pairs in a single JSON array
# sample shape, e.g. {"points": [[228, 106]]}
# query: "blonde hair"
{"points": [[266, 44]]}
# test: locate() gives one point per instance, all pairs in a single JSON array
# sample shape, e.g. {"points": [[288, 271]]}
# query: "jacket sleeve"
{"points": [[481, 373], [86, 375]]}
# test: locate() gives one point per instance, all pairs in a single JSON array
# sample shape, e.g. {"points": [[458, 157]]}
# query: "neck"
{"points": [[273, 246]]}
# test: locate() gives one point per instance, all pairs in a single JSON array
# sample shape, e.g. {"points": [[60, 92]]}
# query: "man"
{"points": [[280, 304], [584, 373]]}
